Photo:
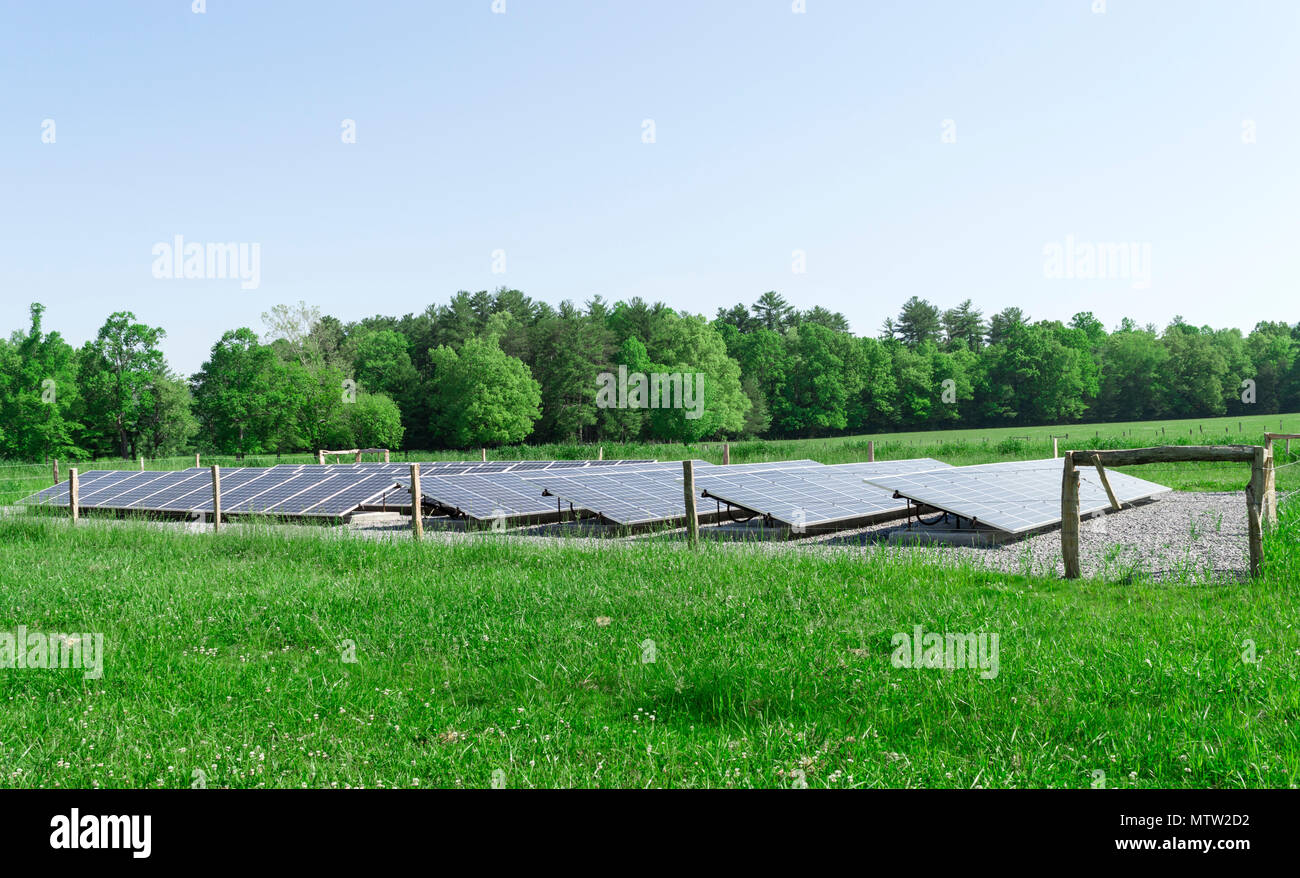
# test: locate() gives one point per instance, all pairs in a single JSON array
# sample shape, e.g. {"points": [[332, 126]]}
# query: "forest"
{"points": [[493, 368]]}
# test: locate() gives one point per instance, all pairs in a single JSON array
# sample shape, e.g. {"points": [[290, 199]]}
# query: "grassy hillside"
{"points": [[226, 653]]}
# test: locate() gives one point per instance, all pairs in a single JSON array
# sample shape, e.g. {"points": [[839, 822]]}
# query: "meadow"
{"points": [[260, 657], [290, 657]]}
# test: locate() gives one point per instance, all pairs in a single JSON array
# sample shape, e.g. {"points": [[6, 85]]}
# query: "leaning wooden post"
{"points": [[1254, 518], [1070, 517], [56, 470], [216, 498], [871, 451], [726, 453], [688, 489], [1270, 483], [417, 506], [74, 495], [1105, 483]]}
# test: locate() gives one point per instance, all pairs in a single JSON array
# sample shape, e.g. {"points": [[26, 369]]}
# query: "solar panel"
{"points": [[176, 485], [626, 496], [484, 497], [358, 492], [1014, 496], [58, 494], [102, 493], [818, 496], [640, 494]]}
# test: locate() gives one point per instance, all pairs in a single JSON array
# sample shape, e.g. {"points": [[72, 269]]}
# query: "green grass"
{"points": [[958, 447], [225, 653]]}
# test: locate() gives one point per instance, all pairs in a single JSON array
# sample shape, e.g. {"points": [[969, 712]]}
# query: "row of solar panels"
{"points": [[1017, 496], [796, 493], [312, 490], [457, 467]]}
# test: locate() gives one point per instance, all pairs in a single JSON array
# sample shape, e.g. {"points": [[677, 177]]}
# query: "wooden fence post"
{"points": [[871, 451], [600, 453], [726, 453], [484, 451], [417, 507], [385, 455], [216, 498], [1070, 517], [320, 457], [1254, 516], [1055, 448], [142, 463], [688, 488], [56, 470], [196, 460], [74, 496]]}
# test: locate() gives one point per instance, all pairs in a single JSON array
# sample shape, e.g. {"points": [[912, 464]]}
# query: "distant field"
{"points": [[958, 447], [626, 665]]}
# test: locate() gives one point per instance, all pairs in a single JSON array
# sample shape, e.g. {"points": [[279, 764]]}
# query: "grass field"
{"points": [[958, 447], [526, 661]]}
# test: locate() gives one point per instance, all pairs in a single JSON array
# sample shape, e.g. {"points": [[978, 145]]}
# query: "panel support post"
{"points": [[688, 488], [74, 496], [216, 498], [417, 510], [1254, 511], [1070, 517]]}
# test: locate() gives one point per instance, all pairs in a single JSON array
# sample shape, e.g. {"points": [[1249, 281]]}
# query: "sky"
{"points": [[696, 152]]}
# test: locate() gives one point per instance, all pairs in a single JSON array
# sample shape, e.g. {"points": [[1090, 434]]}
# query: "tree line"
{"points": [[495, 368]]}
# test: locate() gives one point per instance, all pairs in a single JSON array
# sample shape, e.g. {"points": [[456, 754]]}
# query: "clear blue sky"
{"points": [[775, 132]]}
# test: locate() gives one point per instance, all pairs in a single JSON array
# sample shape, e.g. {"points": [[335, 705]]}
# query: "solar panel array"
{"points": [[812, 496], [310, 490], [1015, 496]]}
